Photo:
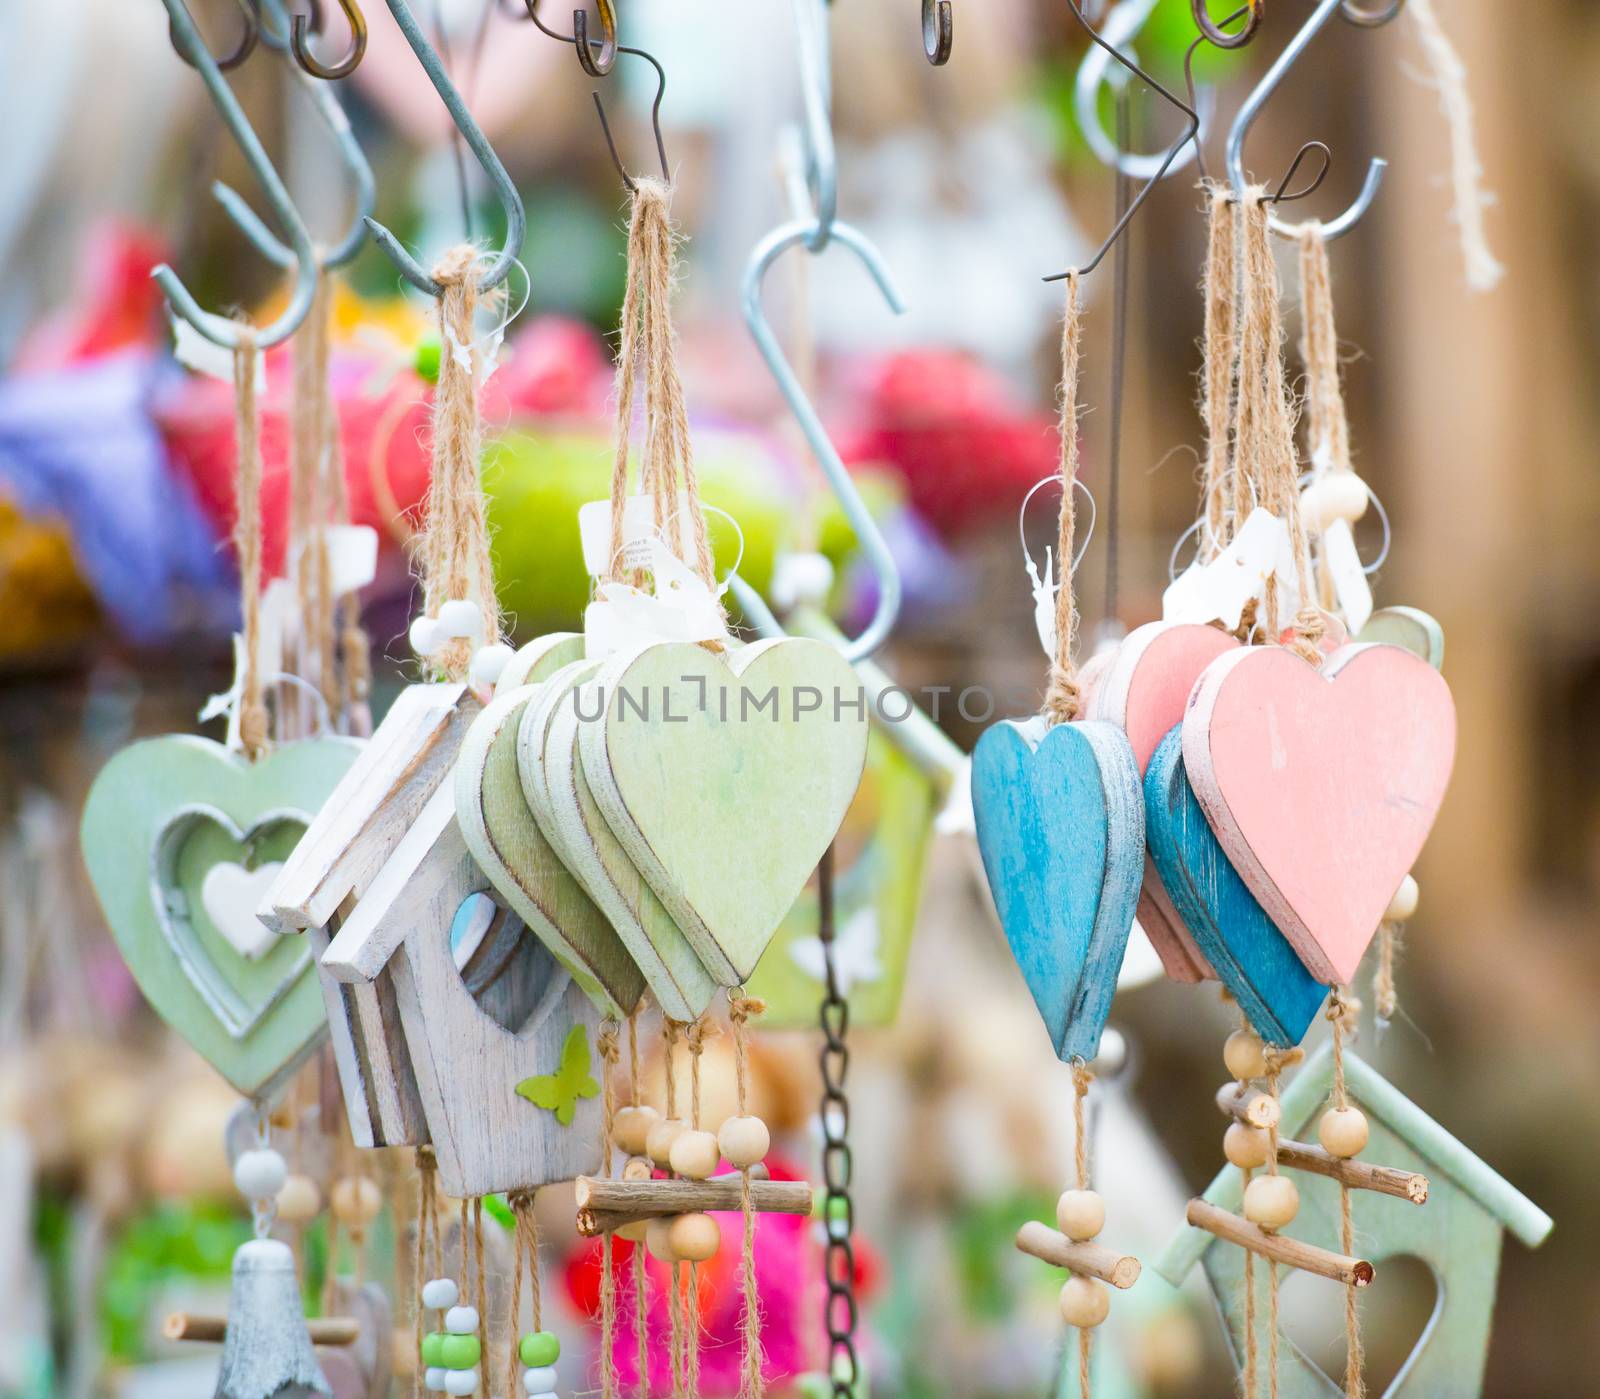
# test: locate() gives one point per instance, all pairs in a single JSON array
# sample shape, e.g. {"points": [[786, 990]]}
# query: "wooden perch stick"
{"points": [[1092, 1260], [1248, 1105], [1358, 1175], [605, 1204], [1279, 1247], [325, 1330]]}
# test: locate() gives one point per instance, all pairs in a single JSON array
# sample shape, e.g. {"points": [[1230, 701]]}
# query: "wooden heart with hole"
{"points": [[1321, 785], [1144, 692], [725, 778], [1060, 821], [160, 819], [1250, 956]]}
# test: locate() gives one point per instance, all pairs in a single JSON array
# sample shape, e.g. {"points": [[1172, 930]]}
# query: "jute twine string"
{"points": [[1328, 426], [641, 1309], [751, 1382], [671, 1033], [427, 1232], [699, 1032], [1063, 699], [1246, 1173], [1277, 1061], [1216, 372], [481, 1276], [1081, 1079], [455, 540], [525, 1251], [1341, 1014], [609, 1053], [307, 515], [1386, 999], [247, 540]]}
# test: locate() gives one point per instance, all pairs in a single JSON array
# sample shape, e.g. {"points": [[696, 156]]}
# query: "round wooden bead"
{"points": [[1245, 1055], [1084, 1302], [1081, 1214], [1404, 903], [460, 1381], [638, 1168], [460, 1352], [1246, 1146], [695, 1155], [1271, 1201], [356, 1201], [694, 1238], [1336, 495], [658, 1240], [460, 617], [744, 1141], [631, 1130], [299, 1202], [440, 1294], [461, 1321], [658, 1145], [634, 1231], [539, 1349], [260, 1174], [1343, 1131]]}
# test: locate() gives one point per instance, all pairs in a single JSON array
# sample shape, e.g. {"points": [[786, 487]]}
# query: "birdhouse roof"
{"points": [[1379, 1098]]}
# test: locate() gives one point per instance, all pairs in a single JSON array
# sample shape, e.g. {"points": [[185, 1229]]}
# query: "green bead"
{"points": [[459, 1352], [538, 1349], [429, 351], [433, 1349]]}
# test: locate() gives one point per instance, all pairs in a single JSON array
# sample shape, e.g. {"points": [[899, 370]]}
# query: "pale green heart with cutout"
{"points": [[161, 816], [725, 777]]}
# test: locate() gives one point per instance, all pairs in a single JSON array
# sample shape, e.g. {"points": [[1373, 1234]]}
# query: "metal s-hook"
{"points": [[873, 544], [245, 47], [596, 64], [218, 329], [472, 133], [347, 65], [1172, 154], [938, 31], [1253, 104], [1218, 37]]}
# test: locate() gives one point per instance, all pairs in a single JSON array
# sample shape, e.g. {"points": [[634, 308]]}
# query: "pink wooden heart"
{"points": [[1321, 785], [1144, 692]]}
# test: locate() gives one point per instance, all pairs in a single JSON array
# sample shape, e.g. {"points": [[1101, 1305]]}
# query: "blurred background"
{"points": [[1474, 418]]}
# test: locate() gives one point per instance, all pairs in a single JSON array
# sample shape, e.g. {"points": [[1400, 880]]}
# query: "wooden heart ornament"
{"points": [[1060, 820], [176, 833], [725, 777], [1321, 785]]}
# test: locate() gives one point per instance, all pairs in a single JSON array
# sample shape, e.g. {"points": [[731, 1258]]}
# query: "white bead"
{"points": [[433, 1380], [539, 1381], [1271, 1201], [461, 1321], [1343, 1132], [1404, 903], [1084, 1302], [1081, 1214], [800, 578], [426, 638], [1337, 495], [542, 1394], [460, 617], [460, 1381], [744, 1141], [695, 1155], [1245, 1055], [260, 1174], [440, 1294], [488, 664], [631, 1130]]}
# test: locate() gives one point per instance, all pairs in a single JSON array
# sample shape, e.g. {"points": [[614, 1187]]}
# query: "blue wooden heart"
{"points": [[1060, 819], [1251, 957]]}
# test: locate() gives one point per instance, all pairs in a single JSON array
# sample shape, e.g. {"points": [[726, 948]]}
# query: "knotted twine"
{"points": [[525, 1250], [1063, 699], [247, 540], [641, 1309], [1341, 1015], [609, 1053], [1081, 1079], [1216, 373], [1328, 426], [454, 543], [751, 1383]]}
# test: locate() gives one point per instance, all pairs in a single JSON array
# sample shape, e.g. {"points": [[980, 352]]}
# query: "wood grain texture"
{"points": [[604, 1204], [1321, 786], [1357, 1174], [1248, 1105], [730, 784], [1091, 1259], [1409, 628], [1262, 972], [520, 863], [158, 817], [539, 659], [1280, 1248], [1060, 822]]}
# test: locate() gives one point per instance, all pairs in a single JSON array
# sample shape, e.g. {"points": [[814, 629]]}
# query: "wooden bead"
{"points": [[745, 1141], [1343, 1132], [1081, 1214], [631, 1130], [1084, 1302], [694, 1238], [1271, 1201], [300, 1201], [1337, 495], [1403, 905], [1246, 1146], [658, 1239], [356, 1201], [638, 1168], [658, 1145], [1245, 1055], [695, 1155], [633, 1231]]}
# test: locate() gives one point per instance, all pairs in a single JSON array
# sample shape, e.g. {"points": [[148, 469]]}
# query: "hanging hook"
{"points": [[938, 31], [245, 47], [596, 65], [1325, 11], [1121, 24], [1215, 35], [347, 65], [218, 329], [1172, 154], [350, 152], [510, 200]]}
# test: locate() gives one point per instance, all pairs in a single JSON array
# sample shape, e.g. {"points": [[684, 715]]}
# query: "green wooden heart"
{"points": [[160, 816], [725, 778]]}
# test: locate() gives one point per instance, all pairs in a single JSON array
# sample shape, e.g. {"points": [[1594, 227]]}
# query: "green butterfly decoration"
{"points": [[559, 1092]]}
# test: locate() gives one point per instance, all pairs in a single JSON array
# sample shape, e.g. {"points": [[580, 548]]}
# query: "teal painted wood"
{"points": [[1457, 1234], [159, 817], [1060, 819], [1251, 957]]}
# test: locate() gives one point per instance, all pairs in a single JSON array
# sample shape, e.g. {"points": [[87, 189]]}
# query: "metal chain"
{"points": [[838, 1209]]}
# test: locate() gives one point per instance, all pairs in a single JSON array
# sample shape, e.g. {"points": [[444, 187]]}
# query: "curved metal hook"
{"points": [[472, 133], [355, 161], [218, 329], [1124, 21], [245, 47], [345, 66], [1218, 37], [596, 65], [1332, 228], [873, 544], [938, 31], [1191, 134]]}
